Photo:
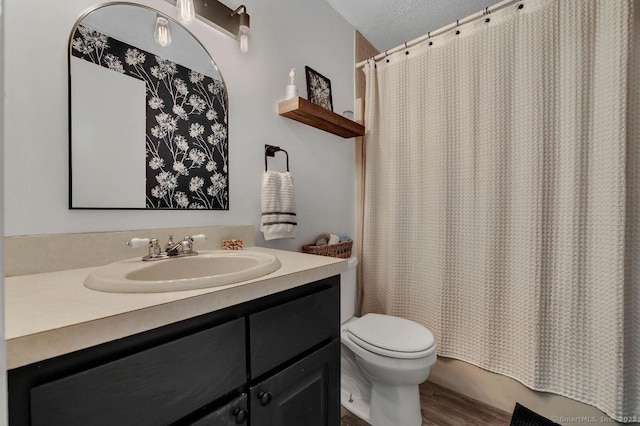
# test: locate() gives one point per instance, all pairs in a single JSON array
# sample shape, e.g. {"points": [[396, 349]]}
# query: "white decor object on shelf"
{"points": [[292, 87]]}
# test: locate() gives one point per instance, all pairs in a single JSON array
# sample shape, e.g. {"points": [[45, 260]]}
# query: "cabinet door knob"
{"points": [[265, 398], [241, 415]]}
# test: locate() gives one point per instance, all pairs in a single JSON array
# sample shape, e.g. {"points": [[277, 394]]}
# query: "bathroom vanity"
{"points": [[270, 359]]}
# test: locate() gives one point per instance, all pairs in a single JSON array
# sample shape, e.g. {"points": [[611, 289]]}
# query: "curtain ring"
{"points": [[386, 54], [405, 45], [486, 12]]}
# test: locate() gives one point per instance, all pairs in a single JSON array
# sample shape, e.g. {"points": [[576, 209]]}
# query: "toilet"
{"points": [[383, 360]]}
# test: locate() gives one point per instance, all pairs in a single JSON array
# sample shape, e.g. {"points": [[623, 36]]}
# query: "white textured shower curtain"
{"points": [[502, 196]]}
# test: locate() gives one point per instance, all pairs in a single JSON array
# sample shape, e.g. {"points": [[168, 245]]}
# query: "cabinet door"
{"points": [[231, 414], [306, 393]]}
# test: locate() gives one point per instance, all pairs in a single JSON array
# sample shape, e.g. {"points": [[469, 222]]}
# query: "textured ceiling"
{"points": [[389, 23]]}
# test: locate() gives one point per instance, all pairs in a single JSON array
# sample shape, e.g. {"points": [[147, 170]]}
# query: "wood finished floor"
{"points": [[444, 407]]}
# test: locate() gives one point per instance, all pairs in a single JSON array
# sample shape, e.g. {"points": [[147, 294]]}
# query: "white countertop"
{"points": [[53, 313]]}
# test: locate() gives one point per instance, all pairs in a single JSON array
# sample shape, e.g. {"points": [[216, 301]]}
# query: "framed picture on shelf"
{"points": [[318, 89]]}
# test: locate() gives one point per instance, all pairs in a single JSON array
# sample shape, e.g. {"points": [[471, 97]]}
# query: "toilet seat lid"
{"points": [[391, 334]]}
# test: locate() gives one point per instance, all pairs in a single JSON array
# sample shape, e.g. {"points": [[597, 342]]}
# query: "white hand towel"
{"points": [[278, 206]]}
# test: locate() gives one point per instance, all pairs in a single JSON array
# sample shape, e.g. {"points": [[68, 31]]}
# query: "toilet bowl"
{"points": [[384, 359]]}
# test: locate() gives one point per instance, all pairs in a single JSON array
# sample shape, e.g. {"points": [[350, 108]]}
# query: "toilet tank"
{"points": [[348, 292]]}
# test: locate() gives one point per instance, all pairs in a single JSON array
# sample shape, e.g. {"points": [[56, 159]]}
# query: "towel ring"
{"points": [[270, 151]]}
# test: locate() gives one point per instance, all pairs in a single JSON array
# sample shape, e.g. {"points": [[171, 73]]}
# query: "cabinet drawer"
{"points": [[152, 387], [285, 331]]}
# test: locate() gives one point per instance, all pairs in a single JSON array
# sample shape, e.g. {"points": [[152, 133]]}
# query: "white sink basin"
{"points": [[207, 269]]}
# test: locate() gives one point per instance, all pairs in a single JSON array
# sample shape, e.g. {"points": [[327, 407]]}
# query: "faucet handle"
{"points": [[138, 242], [154, 246]]}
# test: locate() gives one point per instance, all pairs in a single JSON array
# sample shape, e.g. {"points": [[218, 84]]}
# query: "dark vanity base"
{"points": [[271, 361]]}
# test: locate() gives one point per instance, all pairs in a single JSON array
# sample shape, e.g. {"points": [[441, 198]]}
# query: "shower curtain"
{"points": [[502, 196]]}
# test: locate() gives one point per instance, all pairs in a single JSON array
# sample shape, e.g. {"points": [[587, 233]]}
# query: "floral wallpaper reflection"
{"points": [[186, 136]]}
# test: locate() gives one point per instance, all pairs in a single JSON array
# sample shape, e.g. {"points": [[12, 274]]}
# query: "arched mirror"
{"points": [[148, 123]]}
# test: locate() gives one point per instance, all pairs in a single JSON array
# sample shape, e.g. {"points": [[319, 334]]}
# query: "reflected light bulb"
{"points": [[186, 10], [243, 37], [161, 35]]}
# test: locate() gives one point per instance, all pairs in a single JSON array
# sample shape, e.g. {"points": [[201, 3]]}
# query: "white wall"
{"points": [[3, 352], [284, 34]]}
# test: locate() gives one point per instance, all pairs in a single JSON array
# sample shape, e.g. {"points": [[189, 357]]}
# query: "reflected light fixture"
{"points": [[186, 10], [161, 34], [234, 23], [243, 28]]}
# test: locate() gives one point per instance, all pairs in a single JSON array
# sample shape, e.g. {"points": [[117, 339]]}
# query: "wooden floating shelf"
{"points": [[302, 110]]}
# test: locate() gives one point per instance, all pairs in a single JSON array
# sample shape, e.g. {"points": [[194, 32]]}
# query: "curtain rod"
{"points": [[459, 22]]}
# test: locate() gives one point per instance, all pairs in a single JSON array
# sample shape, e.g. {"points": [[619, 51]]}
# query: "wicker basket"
{"points": [[340, 250]]}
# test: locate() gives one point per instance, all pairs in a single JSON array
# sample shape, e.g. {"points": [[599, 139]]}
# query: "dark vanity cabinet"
{"points": [[301, 393], [273, 361]]}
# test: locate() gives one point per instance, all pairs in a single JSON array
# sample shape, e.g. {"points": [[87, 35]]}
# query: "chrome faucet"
{"points": [[184, 247], [169, 244], [171, 250]]}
